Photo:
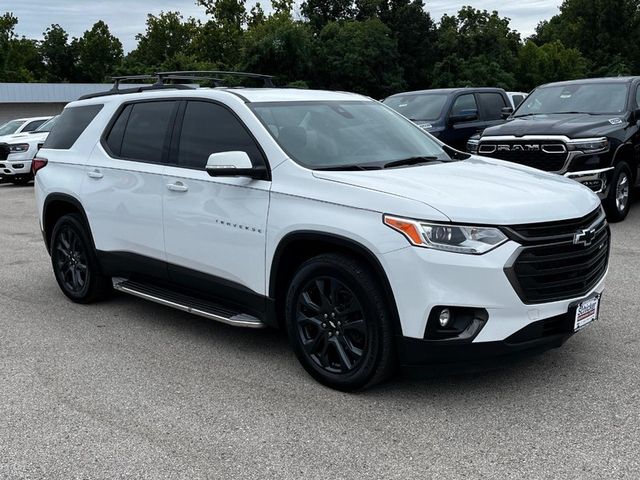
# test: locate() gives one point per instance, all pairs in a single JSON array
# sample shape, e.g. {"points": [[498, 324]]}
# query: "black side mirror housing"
{"points": [[506, 112]]}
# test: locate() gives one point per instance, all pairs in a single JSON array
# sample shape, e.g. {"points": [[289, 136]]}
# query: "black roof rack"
{"points": [[266, 79], [162, 77]]}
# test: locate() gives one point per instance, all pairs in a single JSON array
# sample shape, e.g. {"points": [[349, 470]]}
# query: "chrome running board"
{"points": [[196, 306]]}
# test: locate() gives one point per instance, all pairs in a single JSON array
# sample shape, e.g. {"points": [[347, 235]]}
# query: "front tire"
{"points": [[74, 262], [339, 323], [618, 201]]}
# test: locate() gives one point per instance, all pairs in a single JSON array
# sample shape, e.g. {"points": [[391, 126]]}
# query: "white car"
{"points": [[17, 151], [324, 213], [516, 98], [20, 125]]}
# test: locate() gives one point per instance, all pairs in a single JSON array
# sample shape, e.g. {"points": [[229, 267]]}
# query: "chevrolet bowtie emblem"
{"points": [[584, 237]]}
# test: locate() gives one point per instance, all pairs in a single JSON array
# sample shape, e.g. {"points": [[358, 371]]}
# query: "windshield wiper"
{"points": [[354, 167], [527, 115], [411, 161], [577, 113]]}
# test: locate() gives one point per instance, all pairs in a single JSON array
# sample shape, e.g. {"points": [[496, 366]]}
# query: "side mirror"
{"points": [[464, 116], [636, 115], [233, 164], [506, 112]]}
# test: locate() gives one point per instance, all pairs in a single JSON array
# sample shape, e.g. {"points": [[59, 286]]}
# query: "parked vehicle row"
{"points": [[586, 130], [324, 213], [18, 150]]}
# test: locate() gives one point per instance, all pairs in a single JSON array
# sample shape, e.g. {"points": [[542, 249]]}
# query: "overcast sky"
{"points": [[126, 18]]}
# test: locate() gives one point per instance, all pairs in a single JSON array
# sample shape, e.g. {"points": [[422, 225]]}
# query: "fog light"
{"points": [[445, 317]]}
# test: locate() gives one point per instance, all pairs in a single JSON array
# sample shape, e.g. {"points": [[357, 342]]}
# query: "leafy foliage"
{"points": [[375, 47]]}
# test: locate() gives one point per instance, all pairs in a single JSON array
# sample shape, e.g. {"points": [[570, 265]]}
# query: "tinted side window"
{"points": [[31, 126], [517, 100], [491, 105], [638, 97], [463, 104], [114, 139], [209, 128], [147, 131], [70, 125]]}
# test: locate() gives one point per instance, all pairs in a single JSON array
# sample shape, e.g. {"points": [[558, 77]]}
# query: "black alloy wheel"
{"points": [[339, 322], [74, 261], [71, 261], [331, 325]]}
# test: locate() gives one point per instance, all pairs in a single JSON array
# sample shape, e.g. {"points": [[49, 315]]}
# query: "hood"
{"points": [[479, 191], [24, 137], [570, 125]]}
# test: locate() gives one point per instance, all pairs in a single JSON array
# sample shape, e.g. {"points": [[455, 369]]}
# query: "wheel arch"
{"points": [[626, 152], [55, 206], [297, 247]]}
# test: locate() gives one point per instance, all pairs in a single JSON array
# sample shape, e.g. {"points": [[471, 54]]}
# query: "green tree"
{"points": [[98, 53], [476, 48], [58, 55], [606, 32], [320, 12], [358, 56], [166, 37], [548, 63], [279, 46], [414, 30], [219, 40], [7, 35]]}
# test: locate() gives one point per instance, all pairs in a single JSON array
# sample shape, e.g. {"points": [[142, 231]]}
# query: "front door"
{"points": [[214, 228]]}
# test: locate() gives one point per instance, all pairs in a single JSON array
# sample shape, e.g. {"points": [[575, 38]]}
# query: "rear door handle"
{"points": [[95, 173], [177, 187]]}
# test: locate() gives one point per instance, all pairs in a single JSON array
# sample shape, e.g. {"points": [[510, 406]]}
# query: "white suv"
{"points": [[325, 213]]}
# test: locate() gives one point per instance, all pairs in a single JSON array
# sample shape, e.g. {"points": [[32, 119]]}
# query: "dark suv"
{"points": [[453, 114], [587, 130]]}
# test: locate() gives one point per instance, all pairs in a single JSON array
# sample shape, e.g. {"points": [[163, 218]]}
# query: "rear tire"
{"points": [[75, 263], [339, 323], [618, 201]]}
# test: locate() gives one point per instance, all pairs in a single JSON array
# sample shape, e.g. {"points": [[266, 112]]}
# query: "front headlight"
{"points": [[450, 238], [472, 145], [589, 145], [20, 147]]}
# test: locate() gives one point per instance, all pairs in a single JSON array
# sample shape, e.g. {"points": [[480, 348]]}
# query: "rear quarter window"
{"points": [[70, 125]]}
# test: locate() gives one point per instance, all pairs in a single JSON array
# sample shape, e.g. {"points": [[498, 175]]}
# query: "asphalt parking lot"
{"points": [[130, 389]]}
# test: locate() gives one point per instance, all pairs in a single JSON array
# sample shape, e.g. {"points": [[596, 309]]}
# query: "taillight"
{"points": [[37, 164]]}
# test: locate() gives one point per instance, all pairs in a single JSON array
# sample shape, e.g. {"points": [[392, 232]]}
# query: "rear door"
{"points": [[214, 227], [124, 187], [491, 105]]}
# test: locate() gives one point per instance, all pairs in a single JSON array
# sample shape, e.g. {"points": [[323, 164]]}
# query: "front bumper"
{"points": [[423, 279], [597, 180], [16, 165]]}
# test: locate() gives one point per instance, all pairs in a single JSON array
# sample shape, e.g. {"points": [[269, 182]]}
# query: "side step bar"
{"points": [[186, 303]]}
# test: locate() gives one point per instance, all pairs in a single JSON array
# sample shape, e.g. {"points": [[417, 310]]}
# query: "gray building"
{"points": [[18, 100]]}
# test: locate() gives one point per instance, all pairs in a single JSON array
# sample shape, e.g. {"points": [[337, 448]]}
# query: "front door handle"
{"points": [[95, 173], [177, 187]]}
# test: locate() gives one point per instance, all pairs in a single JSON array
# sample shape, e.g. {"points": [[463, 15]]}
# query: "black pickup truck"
{"points": [[588, 130]]}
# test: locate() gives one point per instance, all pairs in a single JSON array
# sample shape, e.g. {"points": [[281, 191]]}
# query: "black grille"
{"points": [[551, 267], [547, 155], [4, 151]]}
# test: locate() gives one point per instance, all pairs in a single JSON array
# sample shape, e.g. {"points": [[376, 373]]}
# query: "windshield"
{"points": [[342, 134], [593, 98], [10, 128], [47, 126], [418, 106]]}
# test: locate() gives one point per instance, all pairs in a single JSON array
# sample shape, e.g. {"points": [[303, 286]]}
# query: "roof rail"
{"points": [[267, 79], [162, 77]]}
